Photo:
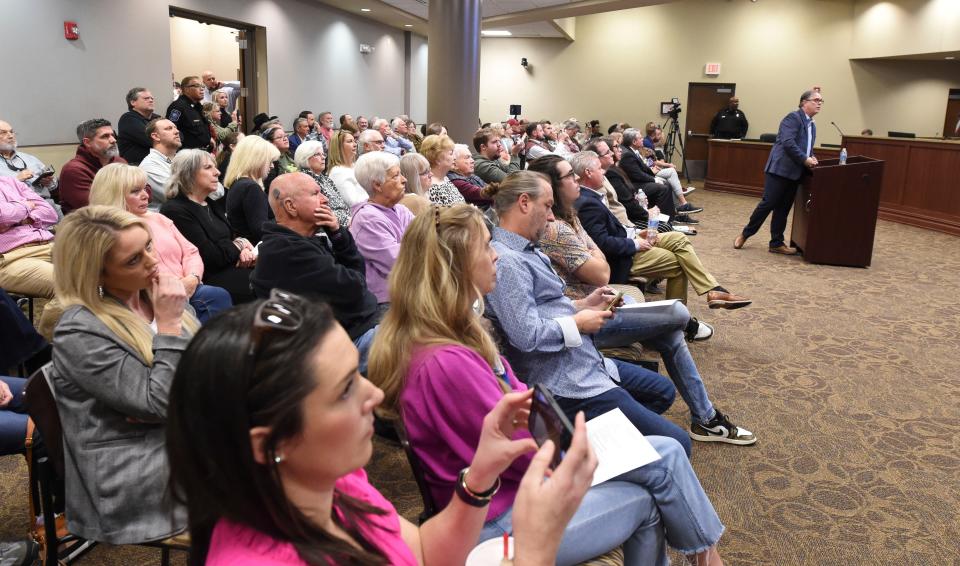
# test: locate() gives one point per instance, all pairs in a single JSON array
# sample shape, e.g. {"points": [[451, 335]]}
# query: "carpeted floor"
{"points": [[848, 377]]}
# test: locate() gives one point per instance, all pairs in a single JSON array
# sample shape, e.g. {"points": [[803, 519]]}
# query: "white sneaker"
{"points": [[704, 332], [688, 190]]}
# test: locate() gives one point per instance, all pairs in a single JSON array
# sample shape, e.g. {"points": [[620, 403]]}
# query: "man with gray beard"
{"points": [[98, 147], [26, 168]]}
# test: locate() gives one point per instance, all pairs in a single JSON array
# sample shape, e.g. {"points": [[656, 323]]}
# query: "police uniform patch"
{"points": [[174, 115]]}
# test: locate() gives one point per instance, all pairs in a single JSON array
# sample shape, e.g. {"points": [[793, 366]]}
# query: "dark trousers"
{"points": [[778, 195], [660, 196]]}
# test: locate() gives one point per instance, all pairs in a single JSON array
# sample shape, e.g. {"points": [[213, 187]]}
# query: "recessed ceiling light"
{"points": [[950, 58], [496, 33], [408, 25], [365, 10]]}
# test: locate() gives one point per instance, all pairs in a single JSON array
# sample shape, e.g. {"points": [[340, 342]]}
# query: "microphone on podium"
{"points": [[838, 128]]}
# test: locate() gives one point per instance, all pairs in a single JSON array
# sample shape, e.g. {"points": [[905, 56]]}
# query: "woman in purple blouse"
{"points": [[440, 373], [379, 223]]}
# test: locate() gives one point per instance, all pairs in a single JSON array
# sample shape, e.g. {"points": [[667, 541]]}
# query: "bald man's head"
{"points": [[294, 198]]}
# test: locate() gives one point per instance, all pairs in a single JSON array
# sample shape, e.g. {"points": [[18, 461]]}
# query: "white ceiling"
{"points": [[489, 8]]}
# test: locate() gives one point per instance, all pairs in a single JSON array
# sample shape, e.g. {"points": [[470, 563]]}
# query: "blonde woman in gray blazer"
{"points": [[115, 352]]}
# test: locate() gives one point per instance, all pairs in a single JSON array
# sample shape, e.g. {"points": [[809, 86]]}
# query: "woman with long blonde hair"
{"points": [[115, 351], [247, 205], [125, 187], [440, 372]]}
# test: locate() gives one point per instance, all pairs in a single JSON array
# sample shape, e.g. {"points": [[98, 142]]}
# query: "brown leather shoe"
{"points": [[738, 243], [783, 250], [723, 300]]}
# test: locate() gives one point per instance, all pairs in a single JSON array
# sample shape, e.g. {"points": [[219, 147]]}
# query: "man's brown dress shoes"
{"points": [[738, 243], [724, 300], [783, 249]]}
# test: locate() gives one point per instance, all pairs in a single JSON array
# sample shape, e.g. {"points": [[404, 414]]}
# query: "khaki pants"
{"points": [[674, 259], [28, 270]]}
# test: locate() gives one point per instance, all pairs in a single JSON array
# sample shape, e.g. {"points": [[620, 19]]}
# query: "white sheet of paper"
{"points": [[664, 218], [619, 446], [648, 305]]}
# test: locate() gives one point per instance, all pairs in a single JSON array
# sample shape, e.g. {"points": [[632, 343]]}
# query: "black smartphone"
{"points": [[547, 422]]}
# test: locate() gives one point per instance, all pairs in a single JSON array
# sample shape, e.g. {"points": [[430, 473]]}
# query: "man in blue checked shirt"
{"points": [[547, 337]]}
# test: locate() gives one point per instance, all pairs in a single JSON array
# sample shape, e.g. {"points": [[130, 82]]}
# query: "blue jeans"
{"points": [[663, 332], [13, 418], [208, 300], [363, 343], [643, 396], [644, 510]]}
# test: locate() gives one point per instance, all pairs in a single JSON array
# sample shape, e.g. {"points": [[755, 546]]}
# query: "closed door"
{"points": [[951, 123], [704, 100]]}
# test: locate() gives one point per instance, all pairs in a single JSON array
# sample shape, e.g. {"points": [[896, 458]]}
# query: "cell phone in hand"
{"points": [[548, 422], [616, 301]]}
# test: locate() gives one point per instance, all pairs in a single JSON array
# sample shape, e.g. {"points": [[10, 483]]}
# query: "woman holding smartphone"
{"points": [[268, 401], [440, 372]]}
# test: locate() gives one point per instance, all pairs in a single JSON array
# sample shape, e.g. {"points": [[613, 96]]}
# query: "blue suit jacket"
{"points": [[790, 150], [607, 232]]}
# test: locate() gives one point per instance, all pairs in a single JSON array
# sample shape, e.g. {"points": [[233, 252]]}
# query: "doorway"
{"points": [[703, 102], [199, 42], [951, 122]]}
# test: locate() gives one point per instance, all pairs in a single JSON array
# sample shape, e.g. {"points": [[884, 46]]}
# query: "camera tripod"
{"points": [[674, 139]]}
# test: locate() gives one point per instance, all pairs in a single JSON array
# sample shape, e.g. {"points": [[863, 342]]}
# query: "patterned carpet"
{"points": [[848, 377]]}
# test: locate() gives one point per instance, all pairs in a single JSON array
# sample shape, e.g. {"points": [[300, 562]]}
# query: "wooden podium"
{"points": [[835, 212]]}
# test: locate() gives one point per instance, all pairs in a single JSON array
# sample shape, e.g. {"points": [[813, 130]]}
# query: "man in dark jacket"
{"points": [[657, 191], [730, 122], [305, 251], [187, 113], [790, 159], [132, 138]]}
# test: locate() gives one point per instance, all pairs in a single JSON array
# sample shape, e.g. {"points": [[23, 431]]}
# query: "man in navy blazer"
{"points": [[790, 159]]}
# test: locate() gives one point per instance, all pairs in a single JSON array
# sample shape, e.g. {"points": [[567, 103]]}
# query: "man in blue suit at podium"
{"points": [[790, 159]]}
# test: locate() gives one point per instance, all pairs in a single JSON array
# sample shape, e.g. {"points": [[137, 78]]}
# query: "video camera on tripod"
{"points": [[671, 108]]}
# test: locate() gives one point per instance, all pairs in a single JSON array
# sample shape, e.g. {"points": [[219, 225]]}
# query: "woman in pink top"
{"points": [[125, 186], [270, 424], [440, 372]]}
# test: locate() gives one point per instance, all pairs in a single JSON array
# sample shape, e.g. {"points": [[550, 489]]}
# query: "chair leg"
{"points": [[164, 557], [49, 517]]}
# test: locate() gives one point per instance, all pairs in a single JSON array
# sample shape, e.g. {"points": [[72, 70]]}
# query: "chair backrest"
{"points": [[768, 138], [429, 505], [42, 408]]}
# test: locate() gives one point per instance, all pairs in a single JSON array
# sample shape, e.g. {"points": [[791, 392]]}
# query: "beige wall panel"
{"points": [[905, 27]]}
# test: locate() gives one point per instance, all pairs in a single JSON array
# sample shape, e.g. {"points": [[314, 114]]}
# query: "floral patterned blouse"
{"points": [[568, 248]]}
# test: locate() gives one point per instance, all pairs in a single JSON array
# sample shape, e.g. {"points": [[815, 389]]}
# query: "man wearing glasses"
{"points": [[370, 140], [187, 113], [26, 168], [790, 159]]}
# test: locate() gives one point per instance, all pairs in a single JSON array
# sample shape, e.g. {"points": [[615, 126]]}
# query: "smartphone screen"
{"points": [[547, 422]]}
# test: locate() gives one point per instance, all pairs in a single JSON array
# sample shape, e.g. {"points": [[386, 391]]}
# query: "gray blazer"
{"points": [[116, 470]]}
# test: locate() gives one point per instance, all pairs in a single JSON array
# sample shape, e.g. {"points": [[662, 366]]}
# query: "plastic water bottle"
{"points": [[652, 224], [843, 156]]}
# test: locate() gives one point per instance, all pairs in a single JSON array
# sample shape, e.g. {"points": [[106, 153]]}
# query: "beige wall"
{"points": [[905, 27], [772, 50], [196, 47]]}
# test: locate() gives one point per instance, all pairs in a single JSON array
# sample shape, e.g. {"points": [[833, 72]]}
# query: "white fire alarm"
{"points": [[712, 69]]}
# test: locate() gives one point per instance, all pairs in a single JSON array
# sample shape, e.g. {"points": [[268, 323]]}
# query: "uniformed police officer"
{"points": [[187, 113], [730, 122]]}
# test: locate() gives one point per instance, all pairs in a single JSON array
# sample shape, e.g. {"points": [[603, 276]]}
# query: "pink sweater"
{"points": [[233, 544], [176, 254], [448, 392]]}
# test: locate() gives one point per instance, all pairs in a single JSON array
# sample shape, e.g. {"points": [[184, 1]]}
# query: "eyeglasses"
{"points": [[568, 175], [815, 100], [605, 154], [281, 312], [317, 155], [8, 132]]}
